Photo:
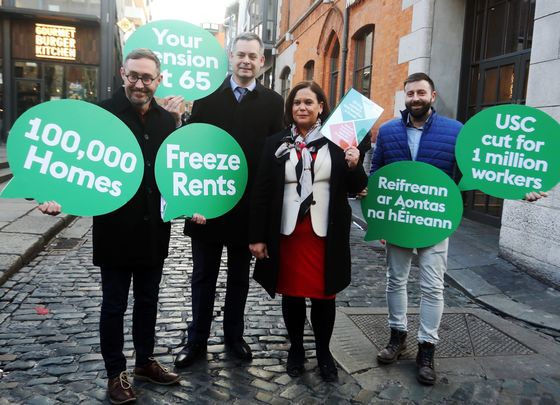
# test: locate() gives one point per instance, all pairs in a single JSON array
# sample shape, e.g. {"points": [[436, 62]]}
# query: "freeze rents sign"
{"points": [[193, 64], [75, 153], [411, 204], [200, 169], [509, 150]]}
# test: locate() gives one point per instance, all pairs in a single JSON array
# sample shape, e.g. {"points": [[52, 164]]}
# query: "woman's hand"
{"points": [[198, 219], [50, 208], [352, 156], [259, 250]]}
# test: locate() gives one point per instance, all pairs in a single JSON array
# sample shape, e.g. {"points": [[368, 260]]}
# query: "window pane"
{"points": [[495, 30], [490, 86], [309, 70], [477, 37], [368, 48], [54, 82], [473, 91], [28, 94], [81, 83], [27, 70], [507, 77], [366, 81]]}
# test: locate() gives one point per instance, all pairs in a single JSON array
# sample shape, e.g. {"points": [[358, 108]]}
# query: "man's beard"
{"points": [[422, 112], [136, 101]]}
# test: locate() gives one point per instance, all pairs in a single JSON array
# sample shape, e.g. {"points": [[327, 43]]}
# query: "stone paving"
{"points": [[49, 346]]}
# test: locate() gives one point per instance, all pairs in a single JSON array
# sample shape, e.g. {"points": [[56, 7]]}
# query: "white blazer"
{"points": [[321, 188]]}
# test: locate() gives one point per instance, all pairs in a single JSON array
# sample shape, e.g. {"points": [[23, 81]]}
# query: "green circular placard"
{"points": [[411, 204], [193, 64], [509, 150], [200, 169], [75, 153]]}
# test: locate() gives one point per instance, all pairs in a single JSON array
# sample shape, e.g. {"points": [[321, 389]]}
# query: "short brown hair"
{"points": [[416, 77], [315, 88], [143, 53]]}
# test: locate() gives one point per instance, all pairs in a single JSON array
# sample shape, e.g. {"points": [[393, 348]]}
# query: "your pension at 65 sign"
{"points": [[75, 153], [193, 64], [411, 204], [200, 169]]}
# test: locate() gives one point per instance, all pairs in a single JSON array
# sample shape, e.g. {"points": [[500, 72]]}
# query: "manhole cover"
{"points": [[461, 335], [66, 243]]}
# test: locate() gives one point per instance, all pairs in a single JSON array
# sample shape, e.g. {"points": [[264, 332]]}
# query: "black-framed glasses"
{"points": [[146, 80]]}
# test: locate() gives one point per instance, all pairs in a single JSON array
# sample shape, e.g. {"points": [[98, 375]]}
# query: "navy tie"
{"points": [[241, 91]]}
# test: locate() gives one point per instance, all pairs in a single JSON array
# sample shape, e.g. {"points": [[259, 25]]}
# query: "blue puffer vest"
{"points": [[437, 144]]}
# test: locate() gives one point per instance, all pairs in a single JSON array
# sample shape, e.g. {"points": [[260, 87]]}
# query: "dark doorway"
{"points": [[498, 38]]}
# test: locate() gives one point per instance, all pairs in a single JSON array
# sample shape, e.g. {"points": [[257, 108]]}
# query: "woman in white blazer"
{"points": [[300, 223]]}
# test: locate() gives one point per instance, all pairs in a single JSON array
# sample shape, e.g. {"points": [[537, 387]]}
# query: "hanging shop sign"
{"points": [[55, 41]]}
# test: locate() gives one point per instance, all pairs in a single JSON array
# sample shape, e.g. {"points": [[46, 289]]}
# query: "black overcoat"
{"points": [[135, 235], [266, 215], [249, 122]]}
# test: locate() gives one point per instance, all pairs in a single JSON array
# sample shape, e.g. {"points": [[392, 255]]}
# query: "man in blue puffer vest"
{"points": [[425, 136]]}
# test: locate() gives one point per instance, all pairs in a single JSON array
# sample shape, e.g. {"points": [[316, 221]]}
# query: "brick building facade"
{"points": [[314, 34], [480, 53]]}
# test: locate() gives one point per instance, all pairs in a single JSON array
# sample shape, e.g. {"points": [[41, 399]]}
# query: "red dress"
{"points": [[302, 262]]}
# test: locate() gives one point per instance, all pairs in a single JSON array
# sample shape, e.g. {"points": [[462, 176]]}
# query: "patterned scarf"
{"points": [[307, 145]]}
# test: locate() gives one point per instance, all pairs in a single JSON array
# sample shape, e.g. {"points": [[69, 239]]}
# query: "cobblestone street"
{"points": [[49, 345]]}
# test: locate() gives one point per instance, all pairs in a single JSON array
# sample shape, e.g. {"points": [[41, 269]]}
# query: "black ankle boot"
{"points": [[425, 363], [296, 359], [395, 347]]}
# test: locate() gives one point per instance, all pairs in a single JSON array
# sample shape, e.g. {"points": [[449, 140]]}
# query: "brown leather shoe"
{"points": [[396, 345], [425, 363], [156, 373], [119, 389]]}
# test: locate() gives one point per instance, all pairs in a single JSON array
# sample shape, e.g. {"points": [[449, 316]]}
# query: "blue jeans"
{"points": [[433, 264], [206, 267], [115, 283]]}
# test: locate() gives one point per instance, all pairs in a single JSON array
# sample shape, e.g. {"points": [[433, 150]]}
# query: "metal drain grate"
{"points": [[461, 335], [66, 243]]}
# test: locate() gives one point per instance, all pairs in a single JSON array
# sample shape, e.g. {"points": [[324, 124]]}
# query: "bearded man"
{"points": [[424, 136]]}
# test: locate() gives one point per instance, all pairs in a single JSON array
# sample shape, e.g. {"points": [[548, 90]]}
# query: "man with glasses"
{"points": [[131, 243]]}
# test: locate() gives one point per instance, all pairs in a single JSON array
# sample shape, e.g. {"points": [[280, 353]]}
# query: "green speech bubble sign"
{"points": [[200, 169], [411, 204], [509, 150], [193, 64], [75, 153]]}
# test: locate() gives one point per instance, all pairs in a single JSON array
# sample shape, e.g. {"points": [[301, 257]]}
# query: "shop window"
{"points": [[81, 83], [285, 82], [363, 60], [39, 82], [27, 70], [309, 70]]}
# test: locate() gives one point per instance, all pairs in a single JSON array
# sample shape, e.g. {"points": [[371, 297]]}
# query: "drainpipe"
{"points": [[345, 29]]}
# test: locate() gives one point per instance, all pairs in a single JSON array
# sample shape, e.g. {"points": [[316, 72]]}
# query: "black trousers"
{"points": [[115, 283], [206, 267]]}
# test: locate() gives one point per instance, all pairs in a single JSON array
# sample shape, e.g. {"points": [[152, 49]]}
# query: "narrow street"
{"points": [[49, 345]]}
